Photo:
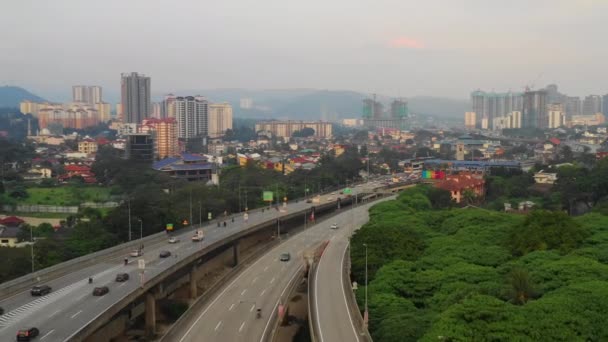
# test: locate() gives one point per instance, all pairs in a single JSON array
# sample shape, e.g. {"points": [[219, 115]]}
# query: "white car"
{"points": [[137, 253], [334, 226], [173, 239]]}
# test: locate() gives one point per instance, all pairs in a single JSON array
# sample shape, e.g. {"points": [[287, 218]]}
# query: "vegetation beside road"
{"points": [[474, 274]]}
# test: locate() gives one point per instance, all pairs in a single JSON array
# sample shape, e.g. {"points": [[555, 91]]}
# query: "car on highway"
{"points": [[27, 334], [173, 239], [40, 290], [164, 254], [285, 257], [136, 253], [329, 199], [197, 238], [101, 290], [120, 277], [334, 226], [309, 200], [1, 310]]}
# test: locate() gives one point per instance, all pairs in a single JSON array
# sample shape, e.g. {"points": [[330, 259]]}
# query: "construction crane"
{"points": [[531, 85]]}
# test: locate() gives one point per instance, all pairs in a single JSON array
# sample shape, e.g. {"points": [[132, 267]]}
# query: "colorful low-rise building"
{"points": [[458, 184]]}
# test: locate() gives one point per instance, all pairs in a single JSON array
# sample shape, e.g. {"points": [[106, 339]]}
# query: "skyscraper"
{"points": [[605, 105], [399, 109], [573, 107], [372, 109], [469, 120], [534, 113], [168, 106], [492, 105], [164, 133], [220, 119], [192, 117], [592, 104], [86, 94], [135, 95], [556, 116]]}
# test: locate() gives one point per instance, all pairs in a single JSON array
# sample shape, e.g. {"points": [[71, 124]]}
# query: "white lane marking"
{"points": [[254, 280], [123, 284], [218, 325], [76, 314], [243, 292], [355, 332], [265, 268], [231, 307], [264, 291], [277, 304], [252, 307], [47, 334], [55, 312], [242, 325], [272, 280], [189, 248], [98, 299], [162, 262]]}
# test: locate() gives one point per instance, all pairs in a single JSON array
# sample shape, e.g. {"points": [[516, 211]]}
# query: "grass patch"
{"points": [[66, 195]]}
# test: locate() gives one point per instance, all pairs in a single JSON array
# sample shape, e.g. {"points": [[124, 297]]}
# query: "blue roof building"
{"points": [[191, 167]]}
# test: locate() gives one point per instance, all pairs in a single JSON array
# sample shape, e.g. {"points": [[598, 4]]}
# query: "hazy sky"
{"points": [[392, 47]]}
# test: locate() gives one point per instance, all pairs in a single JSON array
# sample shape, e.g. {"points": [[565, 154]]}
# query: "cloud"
{"points": [[405, 42]]}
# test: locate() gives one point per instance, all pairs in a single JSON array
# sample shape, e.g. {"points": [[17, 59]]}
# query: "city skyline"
{"points": [[391, 48]]}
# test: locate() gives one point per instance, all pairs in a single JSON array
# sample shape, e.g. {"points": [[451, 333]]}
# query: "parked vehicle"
{"points": [[120, 277], [100, 291], [40, 290], [27, 334]]}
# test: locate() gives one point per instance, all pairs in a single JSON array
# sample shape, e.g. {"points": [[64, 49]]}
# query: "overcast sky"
{"points": [[392, 47]]}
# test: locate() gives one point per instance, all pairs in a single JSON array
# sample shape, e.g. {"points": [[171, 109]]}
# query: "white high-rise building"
{"points": [[86, 94], [246, 103], [220, 119], [192, 117]]}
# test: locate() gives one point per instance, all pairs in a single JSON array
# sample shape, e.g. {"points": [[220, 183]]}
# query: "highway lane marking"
{"points": [[243, 292], [218, 325], [344, 295], [242, 325], [123, 284], [272, 280], [76, 314], [264, 291], [231, 307], [265, 268], [54, 313], [254, 280], [162, 262], [189, 248], [277, 303], [47, 334], [252, 307]]}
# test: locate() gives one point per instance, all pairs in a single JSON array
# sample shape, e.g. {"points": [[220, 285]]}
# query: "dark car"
{"points": [[120, 277], [165, 254], [285, 257], [1, 310], [100, 291], [40, 290], [27, 334]]}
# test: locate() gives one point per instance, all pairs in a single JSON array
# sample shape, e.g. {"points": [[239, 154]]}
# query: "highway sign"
{"points": [[209, 216], [169, 226], [268, 196], [141, 264]]}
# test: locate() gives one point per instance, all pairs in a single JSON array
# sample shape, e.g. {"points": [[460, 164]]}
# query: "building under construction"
{"points": [[374, 116]]}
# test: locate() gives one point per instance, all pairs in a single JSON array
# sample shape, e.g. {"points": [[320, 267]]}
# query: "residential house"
{"points": [[190, 167], [458, 184], [542, 177], [9, 236]]}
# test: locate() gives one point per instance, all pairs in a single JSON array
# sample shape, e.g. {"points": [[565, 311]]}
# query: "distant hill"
{"points": [[12, 96], [301, 104]]}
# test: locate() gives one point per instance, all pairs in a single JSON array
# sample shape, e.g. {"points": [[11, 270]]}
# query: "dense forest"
{"points": [[478, 275]]}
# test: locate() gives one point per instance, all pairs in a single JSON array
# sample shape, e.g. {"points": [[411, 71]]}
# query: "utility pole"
{"points": [[129, 204], [200, 214], [141, 229], [32, 246], [366, 315], [190, 206], [240, 197]]}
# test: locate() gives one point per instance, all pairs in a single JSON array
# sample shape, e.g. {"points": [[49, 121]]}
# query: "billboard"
{"points": [[433, 174], [267, 196], [348, 191], [169, 226]]}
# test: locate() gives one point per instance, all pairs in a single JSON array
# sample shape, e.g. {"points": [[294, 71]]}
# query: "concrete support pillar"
{"points": [[150, 314], [193, 286], [236, 253]]}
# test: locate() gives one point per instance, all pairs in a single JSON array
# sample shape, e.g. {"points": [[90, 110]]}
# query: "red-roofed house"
{"points": [[555, 141], [11, 221], [83, 171], [458, 184]]}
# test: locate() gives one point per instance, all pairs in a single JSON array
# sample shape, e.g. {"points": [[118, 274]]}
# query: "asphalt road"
{"points": [[231, 315], [71, 305], [333, 317]]}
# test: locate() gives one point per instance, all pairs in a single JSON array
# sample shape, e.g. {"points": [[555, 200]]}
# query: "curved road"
{"points": [[230, 315], [71, 305]]}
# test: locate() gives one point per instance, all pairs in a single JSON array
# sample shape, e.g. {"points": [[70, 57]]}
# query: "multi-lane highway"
{"points": [[71, 305], [231, 315]]}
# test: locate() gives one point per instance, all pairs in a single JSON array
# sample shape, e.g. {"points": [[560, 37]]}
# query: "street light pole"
{"points": [[190, 206], [366, 312], [32, 246], [200, 214], [129, 204], [141, 229]]}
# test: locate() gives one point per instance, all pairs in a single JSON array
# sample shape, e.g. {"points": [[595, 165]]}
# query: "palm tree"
{"points": [[521, 286]]}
